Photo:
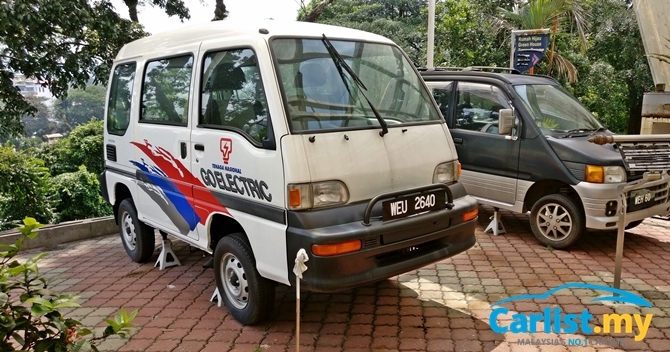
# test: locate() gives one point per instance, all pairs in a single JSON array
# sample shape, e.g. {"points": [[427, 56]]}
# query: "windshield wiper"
{"points": [[340, 64]]}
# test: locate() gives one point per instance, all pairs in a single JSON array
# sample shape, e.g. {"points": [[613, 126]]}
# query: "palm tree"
{"points": [[537, 14]]}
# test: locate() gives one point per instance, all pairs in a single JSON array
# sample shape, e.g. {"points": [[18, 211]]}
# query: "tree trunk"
{"points": [[318, 10], [553, 39], [220, 12], [635, 114], [132, 9]]}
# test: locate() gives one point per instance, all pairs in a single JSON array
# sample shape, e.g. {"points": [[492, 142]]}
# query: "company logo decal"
{"points": [[554, 320], [226, 149], [172, 186]]}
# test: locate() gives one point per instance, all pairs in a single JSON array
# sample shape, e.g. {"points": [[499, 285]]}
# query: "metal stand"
{"points": [[216, 297], [496, 224], [166, 258]]}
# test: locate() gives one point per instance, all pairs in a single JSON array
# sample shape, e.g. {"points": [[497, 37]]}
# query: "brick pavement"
{"points": [[441, 307]]}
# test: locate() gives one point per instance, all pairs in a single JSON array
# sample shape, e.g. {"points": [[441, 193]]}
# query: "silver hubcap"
{"points": [[235, 282], [129, 235], [554, 221]]}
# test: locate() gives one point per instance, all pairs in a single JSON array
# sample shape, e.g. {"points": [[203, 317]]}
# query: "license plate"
{"points": [[640, 199], [405, 206]]}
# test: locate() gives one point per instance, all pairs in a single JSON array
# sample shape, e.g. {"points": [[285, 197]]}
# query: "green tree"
{"points": [[400, 20], [171, 7], [63, 43], [615, 41], [25, 187], [42, 122], [81, 105], [83, 146], [463, 36]]}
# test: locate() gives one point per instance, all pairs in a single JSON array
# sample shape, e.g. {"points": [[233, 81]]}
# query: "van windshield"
{"points": [[319, 96], [555, 111]]}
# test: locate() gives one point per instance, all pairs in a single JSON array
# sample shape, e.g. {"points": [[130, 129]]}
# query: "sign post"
{"points": [[527, 48]]}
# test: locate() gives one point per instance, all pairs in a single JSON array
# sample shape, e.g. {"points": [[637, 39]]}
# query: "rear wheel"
{"points": [[556, 221], [138, 238], [247, 295]]}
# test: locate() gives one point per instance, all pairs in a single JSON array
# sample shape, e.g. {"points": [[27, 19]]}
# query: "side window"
{"points": [[442, 97], [478, 107], [120, 97], [232, 94], [166, 89]]}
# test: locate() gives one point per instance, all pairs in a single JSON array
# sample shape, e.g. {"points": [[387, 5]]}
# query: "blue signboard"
{"points": [[528, 50]]}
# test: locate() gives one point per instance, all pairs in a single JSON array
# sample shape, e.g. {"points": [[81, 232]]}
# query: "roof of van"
{"points": [[217, 29]]}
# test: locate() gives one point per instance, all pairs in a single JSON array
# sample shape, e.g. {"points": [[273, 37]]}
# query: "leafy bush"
{"points": [[30, 319], [24, 187], [83, 146], [79, 196]]}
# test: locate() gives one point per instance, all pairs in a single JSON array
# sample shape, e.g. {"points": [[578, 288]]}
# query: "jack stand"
{"points": [[496, 224], [216, 297], [166, 258]]}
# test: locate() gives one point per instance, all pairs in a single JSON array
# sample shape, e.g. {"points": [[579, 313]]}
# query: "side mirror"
{"points": [[505, 121]]}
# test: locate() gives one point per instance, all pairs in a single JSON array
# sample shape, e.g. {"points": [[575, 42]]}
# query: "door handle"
{"points": [[183, 150], [458, 140], [200, 147]]}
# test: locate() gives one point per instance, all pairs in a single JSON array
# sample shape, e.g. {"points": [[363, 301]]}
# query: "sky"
{"points": [[155, 20]]}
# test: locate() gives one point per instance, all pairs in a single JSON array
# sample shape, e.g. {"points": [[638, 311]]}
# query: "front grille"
{"points": [[371, 242], [646, 157]]}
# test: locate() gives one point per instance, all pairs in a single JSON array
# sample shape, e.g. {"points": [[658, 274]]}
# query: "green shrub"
{"points": [[24, 188], [83, 146], [30, 319], [79, 194]]}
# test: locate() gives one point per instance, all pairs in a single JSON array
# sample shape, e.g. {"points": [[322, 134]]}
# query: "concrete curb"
{"points": [[53, 235]]}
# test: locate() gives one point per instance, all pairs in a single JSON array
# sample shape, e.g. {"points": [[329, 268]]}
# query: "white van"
{"points": [[251, 141]]}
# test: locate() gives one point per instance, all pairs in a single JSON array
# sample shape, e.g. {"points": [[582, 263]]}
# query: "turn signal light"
{"points": [[336, 248], [467, 216], [294, 197]]}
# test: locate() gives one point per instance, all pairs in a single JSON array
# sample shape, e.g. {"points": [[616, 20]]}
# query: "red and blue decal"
{"points": [[175, 187]]}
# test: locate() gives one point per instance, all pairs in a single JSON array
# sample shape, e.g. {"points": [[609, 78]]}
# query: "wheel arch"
{"points": [[545, 187], [121, 192], [221, 226]]}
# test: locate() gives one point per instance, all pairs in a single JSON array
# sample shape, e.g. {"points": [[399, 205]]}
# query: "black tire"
{"points": [[634, 224], [557, 221], [137, 237], [248, 296]]}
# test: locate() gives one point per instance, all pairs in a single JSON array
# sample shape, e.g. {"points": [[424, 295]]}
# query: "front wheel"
{"points": [[138, 238], [247, 295], [556, 221]]}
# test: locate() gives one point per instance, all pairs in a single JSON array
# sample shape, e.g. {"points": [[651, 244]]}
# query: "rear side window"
{"points": [[120, 96], [442, 96], [165, 90]]}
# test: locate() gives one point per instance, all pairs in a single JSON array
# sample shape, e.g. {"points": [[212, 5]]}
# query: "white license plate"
{"points": [[405, 206]]}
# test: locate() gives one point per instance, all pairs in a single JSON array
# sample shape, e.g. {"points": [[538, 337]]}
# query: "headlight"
{"points": [[605, 174], [447, 172], [317, 195]]}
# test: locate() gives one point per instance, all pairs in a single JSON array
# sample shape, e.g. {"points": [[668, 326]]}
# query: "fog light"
{"points": [[610, 208]]}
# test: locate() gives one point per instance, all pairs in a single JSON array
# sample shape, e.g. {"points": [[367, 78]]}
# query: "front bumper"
{"points": [[388, 248], [595, 197]]}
